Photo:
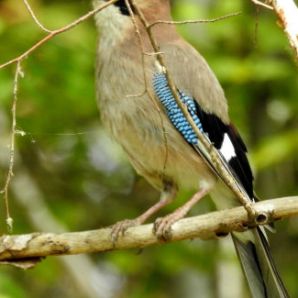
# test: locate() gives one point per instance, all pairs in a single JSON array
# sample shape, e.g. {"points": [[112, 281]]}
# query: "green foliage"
{"points": [[9, 288], [84, 178]]}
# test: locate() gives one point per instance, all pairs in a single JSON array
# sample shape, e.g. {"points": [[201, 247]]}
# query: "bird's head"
{"points": [[117, 15]]}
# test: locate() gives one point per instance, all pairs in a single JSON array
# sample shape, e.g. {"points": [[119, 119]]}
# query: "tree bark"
{"points": [[207, 226]]}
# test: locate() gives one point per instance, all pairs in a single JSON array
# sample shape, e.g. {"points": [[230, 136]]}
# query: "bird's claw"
{"points": [[119, 228], [163, 226]]}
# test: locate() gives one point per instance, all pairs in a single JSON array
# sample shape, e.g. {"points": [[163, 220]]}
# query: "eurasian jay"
{"points": [[139, 110]]}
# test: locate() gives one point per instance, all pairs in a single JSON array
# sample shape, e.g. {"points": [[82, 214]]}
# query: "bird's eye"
{"points": [[121, 4]]}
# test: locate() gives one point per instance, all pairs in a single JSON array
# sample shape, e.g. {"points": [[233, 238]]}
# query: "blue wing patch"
{"points": [[164, 93]]}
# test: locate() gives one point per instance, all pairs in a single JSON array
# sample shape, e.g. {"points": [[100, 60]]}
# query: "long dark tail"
{"points": [[258, 265]]}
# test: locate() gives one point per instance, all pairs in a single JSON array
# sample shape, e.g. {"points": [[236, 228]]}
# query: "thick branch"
{"points": [[205, 226]]}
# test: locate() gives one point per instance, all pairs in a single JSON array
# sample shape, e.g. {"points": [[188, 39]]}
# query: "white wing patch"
{"points": [[227, 149]]}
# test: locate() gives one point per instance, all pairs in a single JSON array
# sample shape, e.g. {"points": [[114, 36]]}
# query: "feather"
{"points": [[257, 263]]}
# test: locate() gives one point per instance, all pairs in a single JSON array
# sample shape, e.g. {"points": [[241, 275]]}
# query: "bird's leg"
{"points": [[162, 226], [167, 196]]}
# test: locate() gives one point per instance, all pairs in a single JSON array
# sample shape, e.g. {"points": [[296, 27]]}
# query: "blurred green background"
{"points": [[70, 176]]}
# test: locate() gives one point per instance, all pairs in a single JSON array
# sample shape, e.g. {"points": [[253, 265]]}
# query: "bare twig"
{"points": [[234, 14], [57, 32], [18, 74], [39, 24], [207, 226], [142, 47]]}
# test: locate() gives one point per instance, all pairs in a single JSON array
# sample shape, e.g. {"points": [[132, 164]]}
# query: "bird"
{"points": [[138, 108]]}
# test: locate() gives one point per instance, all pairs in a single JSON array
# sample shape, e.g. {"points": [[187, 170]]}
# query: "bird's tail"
{"points": [[257, 263]]}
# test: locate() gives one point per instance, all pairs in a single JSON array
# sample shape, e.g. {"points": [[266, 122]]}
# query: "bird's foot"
{"points": [[163, 226], [119, 228]]}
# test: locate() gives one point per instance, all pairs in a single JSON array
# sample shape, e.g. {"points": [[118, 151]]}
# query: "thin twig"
{"points": [[260, 3], [56, 32], [142, 47], [34, 17], [147, 91], [195, 21], [206, 226], [5, 190]]}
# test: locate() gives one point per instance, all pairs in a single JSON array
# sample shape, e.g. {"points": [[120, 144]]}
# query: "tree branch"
{"points": [[200, 21], [207, 226]]}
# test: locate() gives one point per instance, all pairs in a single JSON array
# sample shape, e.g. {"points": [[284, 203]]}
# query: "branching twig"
{"points": [[34, 17], [207, 226], [57, 32]]}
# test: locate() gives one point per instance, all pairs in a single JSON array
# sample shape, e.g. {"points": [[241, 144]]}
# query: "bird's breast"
{"points": [[138, 123]]}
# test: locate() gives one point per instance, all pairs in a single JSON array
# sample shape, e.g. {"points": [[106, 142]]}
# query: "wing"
{"points": [[252, 247], [223, 136]]}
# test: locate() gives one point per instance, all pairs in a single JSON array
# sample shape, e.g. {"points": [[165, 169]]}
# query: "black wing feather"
{"points": [[216, 129]]}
